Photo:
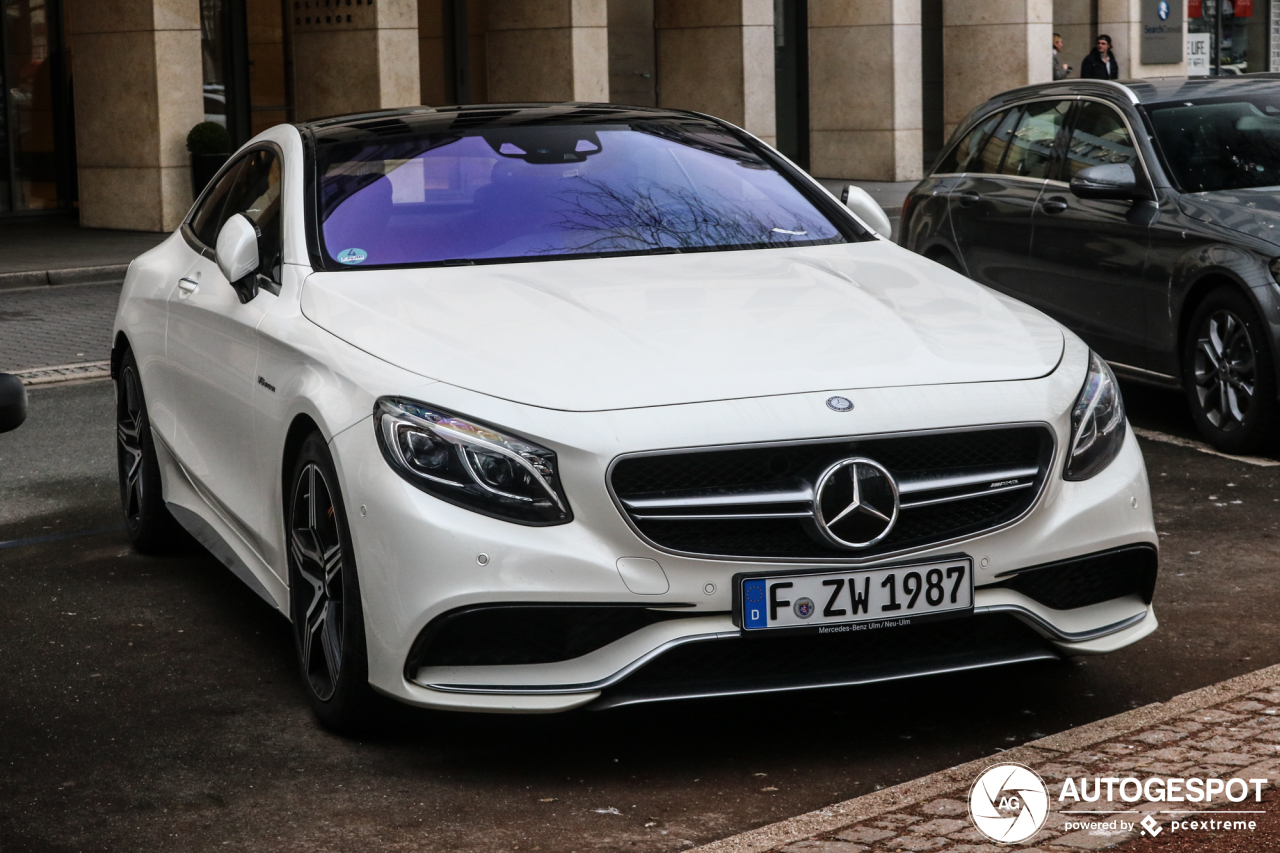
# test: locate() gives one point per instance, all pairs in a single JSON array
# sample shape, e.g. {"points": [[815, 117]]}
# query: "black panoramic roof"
{"points": [[470, 118], [1152, 91]]}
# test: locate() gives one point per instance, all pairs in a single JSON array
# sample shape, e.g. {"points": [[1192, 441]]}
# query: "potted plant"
{"points": [[210, 147]]}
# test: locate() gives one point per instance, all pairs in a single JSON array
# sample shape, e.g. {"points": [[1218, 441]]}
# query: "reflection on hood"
{"points": [[1255, 212]]}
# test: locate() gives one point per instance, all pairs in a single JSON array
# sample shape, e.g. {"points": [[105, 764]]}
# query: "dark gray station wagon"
{"points": [[1144, 215]]}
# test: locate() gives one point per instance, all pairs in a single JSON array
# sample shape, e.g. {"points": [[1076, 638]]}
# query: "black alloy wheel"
{"points": [[324, 594], [1228, 373], [150, 527]]}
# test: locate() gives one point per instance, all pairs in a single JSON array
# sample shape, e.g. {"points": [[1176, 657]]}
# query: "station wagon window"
{"points": [[965, 152], [1031, 147], [1099, 137], [993, 152], [1220, 143]]}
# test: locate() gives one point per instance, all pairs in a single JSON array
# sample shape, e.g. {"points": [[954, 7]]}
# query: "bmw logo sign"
{"points": [[1163, 10], [840, 404]]}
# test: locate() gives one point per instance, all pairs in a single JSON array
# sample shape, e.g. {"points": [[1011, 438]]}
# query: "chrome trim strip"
{"points": [[966, 496], [1057, 633], [736, 499], [555, 689], [852, 556], [741, 516], [977, 478], [995, 660], [1140, 374]]}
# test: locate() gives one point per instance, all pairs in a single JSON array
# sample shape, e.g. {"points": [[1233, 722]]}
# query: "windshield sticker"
{"points": [[352, 256]]}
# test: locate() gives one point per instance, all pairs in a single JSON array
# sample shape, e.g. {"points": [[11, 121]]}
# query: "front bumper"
{"points": [[420, 558]]}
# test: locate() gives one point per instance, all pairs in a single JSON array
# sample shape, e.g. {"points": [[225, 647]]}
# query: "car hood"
{"points": [[616, 333], [1252, 212]]}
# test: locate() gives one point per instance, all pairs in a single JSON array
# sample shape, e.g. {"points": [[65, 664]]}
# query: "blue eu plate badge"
{"points": [[753, 610]]}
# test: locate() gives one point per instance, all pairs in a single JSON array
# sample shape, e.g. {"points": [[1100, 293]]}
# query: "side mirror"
{"points": [[1110, 180], [865, 208], [13, 402], [237, 254]]}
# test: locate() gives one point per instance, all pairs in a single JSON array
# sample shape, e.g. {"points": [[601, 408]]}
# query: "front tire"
{"points": [[1228, 373], [324, 594], [150, 527]]}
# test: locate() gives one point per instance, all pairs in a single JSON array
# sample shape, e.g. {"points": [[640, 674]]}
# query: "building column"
{"points": [[864, 90], [547, 50], [354, 58], [989, 47], [136, 65], [434, 70], [717, 57], [1122, 20]]}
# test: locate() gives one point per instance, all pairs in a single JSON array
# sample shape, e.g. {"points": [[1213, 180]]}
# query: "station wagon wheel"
{"points": [[1228, 373], [150, 527], [324, 593]]}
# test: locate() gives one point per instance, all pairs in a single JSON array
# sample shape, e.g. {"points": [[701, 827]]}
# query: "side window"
{"points": [[1099, 137], [993, 152], [958, 159], [256, 194], [1031, 148], [209, 218]]}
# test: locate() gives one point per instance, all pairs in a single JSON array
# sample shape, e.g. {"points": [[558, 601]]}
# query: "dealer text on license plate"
{"points": [[897, 595]]}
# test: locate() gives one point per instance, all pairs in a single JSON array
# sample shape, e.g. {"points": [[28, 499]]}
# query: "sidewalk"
{"points": [[1227, 730], [55, 250]]}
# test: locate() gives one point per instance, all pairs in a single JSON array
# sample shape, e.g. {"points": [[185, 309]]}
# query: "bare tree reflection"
{"points": [[650, 216]]}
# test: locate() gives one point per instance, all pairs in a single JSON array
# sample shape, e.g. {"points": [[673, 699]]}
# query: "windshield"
{"points": [[530, 192], [1220, 143]]}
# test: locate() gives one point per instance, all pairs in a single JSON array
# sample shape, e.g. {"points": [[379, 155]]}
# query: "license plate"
{"points": [[851, 600]]}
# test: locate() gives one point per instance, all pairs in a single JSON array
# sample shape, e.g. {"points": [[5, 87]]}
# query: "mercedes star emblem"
{"points": [[856, 504], [840, 404]]}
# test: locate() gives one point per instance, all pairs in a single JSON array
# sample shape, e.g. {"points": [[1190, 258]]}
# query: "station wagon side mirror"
{"points": [[865, 208], [1110, 180], [237, 254], [13, 402]]}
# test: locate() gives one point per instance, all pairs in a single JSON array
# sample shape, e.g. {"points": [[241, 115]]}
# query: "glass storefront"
{"points": [[246, 65], [1245, 29], [34, 109]]}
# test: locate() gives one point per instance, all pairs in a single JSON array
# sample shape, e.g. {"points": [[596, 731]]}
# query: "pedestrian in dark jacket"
{"points": [[1101, 63]]}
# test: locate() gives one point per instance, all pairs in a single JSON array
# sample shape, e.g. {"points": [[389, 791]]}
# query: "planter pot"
{"points": [[203, 168]]}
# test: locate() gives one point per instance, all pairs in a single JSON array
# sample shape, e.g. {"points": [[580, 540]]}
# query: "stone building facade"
{"points": [[861, 89]]}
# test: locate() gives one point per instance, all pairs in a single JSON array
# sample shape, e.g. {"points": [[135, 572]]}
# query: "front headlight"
{"points": [[470, 464], [1097, 423]]}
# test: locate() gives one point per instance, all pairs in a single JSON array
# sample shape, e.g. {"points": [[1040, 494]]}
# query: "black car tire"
{"points": [[150, 527], [1228, 373], [324, 594]]}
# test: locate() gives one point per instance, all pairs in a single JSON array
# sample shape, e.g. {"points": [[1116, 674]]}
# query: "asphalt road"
{"points": [[152, 704]]}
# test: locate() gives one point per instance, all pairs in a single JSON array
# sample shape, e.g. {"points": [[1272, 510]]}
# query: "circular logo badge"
{"points": [[856, 504], [352, 256], [840, 404], [803, 607], [1008, 803], [1163, 10]]}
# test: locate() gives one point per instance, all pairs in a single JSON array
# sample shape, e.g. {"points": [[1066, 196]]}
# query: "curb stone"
{"points": [[75, 275], [1189, 718]]}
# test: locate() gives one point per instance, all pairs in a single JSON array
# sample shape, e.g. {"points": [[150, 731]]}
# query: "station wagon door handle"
{"points": [[1054, 205], [968, 199], [188, 286]]}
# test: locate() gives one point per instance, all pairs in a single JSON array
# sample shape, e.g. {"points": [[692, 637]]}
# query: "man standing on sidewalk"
{"points": [[1101, 63], [1060, 69]]}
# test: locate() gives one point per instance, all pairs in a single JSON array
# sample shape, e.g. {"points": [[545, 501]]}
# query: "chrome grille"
{"points": [[757, 502]]}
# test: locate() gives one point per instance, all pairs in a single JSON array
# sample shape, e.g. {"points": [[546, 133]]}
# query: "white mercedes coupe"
{"points": [[527, 408]]}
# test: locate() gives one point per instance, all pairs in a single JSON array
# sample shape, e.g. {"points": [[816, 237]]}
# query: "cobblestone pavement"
{"points": [[45, 326], [1236, 738]]}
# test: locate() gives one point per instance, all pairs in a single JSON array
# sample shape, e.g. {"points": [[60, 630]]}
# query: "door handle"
{"points": [[188, 286], [1054, 205], [968, 199]]}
